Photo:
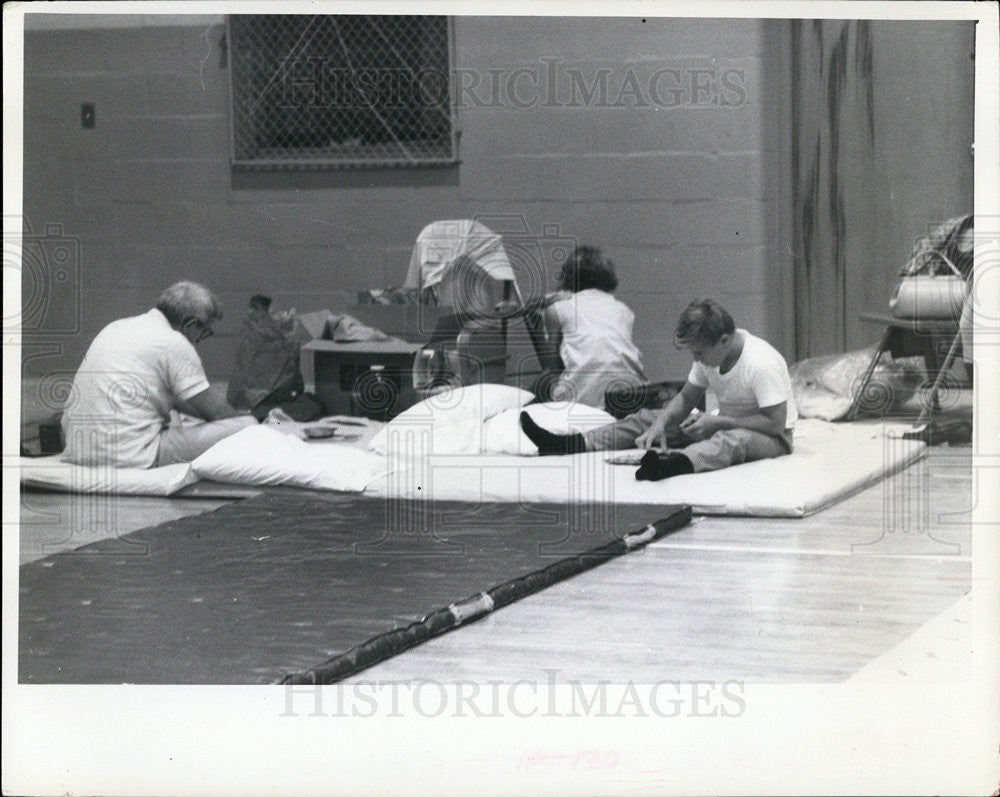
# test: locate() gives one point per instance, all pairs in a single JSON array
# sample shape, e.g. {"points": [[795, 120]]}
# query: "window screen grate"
{"points": [[340, 91]]}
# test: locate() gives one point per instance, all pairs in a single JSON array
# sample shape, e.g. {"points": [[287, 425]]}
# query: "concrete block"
{"points": [[146, 222], [513, 177], [126, 180], [508, 41], [395, 264], [114, 95], [658, 224], [302, 223], [49, 199], [60, 137], [160, 50], [111, 180], [704, 268], [505, 131], [328, 267], [63, 53], [139, 179], [658, 177], [134, 271], [139, 139], [194, 91], [209, 136], [211, 222]]}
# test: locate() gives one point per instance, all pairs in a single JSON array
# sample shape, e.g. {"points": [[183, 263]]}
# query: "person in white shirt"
{"points": [[747, 381], [136, 371], [589, 348]]}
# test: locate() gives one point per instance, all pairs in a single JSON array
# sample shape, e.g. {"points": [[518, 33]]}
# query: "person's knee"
{"points": [[747, 445], [219, 430], [187, 444], [225, 427], [731, 444], [239, 422]]}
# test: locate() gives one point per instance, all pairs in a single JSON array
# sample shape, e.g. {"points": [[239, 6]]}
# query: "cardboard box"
{"points": [[339, 368]]}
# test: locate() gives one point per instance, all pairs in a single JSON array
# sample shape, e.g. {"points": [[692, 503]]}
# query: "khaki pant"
{"points": [[722, 449], [187, 442]]}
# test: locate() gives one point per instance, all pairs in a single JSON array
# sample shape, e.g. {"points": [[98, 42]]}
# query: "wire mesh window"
{"points": [[340, 91]]}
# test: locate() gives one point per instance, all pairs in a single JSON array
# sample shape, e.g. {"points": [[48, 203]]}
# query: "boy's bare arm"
{"points": [[677, 410], [548, 356], [769, 420]]}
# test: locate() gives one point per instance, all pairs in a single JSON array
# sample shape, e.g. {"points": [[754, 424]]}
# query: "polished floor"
{"points": [[814, 600]]}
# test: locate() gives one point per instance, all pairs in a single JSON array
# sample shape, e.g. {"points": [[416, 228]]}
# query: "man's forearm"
{"points": [[548, 354], [210, 405], [226, 410], [187, 408], [549, 359]]}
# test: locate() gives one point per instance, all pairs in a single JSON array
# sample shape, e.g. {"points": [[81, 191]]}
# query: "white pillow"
{"points": [[51, 473], [259, 455], [450, 422], [502, 434]]}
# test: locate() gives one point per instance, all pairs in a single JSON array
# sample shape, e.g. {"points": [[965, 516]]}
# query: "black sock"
{"points": [[549, 442], [655, 466]]}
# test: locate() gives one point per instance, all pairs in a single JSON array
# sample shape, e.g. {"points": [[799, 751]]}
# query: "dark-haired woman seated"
{"points": [[589, 346]]}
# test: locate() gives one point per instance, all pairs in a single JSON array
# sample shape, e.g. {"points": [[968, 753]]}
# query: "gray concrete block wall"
{"points": [[924, 162], [680, 197]]}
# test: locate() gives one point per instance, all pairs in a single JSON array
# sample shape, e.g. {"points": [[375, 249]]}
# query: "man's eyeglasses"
{"points": [[203, 330]]}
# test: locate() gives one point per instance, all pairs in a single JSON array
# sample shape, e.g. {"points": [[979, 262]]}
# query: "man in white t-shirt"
{"points": [[751, 410], [135, 372]]}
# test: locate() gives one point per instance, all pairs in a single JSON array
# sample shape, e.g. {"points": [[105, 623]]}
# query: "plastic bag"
{"points": [[824, 387], [267, 360]]}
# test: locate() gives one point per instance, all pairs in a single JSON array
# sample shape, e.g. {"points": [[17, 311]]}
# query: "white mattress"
{"points": [[830, 462], [52, 473]]}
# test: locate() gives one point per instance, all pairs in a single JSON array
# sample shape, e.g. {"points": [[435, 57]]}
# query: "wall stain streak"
{"points": [[864, 69], [833, 99], [869, 172]]}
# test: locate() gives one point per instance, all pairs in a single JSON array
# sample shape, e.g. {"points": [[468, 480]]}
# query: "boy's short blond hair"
{"points": [[703, 321]]}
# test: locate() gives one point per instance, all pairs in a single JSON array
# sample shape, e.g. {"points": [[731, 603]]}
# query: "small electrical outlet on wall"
{"points": [[87, 115]]}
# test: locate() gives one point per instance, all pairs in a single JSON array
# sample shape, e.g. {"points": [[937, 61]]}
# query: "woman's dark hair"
{"points": [[587, 268], [703, 321]]}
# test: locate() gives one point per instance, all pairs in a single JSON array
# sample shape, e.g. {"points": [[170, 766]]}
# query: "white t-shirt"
{"points": [[758, 379], [126, 386], [597, 349]]}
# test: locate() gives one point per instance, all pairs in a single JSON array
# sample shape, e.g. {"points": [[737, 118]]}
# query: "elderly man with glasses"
{"points": [[136, 371]]}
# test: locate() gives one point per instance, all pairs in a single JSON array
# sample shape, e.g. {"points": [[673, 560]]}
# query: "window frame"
{"points": [[329, 161]]}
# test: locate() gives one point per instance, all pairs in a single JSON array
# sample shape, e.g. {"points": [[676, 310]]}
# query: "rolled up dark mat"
{"points": [[300, 586], [384, 646]]}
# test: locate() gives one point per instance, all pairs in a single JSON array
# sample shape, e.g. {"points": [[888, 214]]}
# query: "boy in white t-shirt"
{"points": [[745, 378]]}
